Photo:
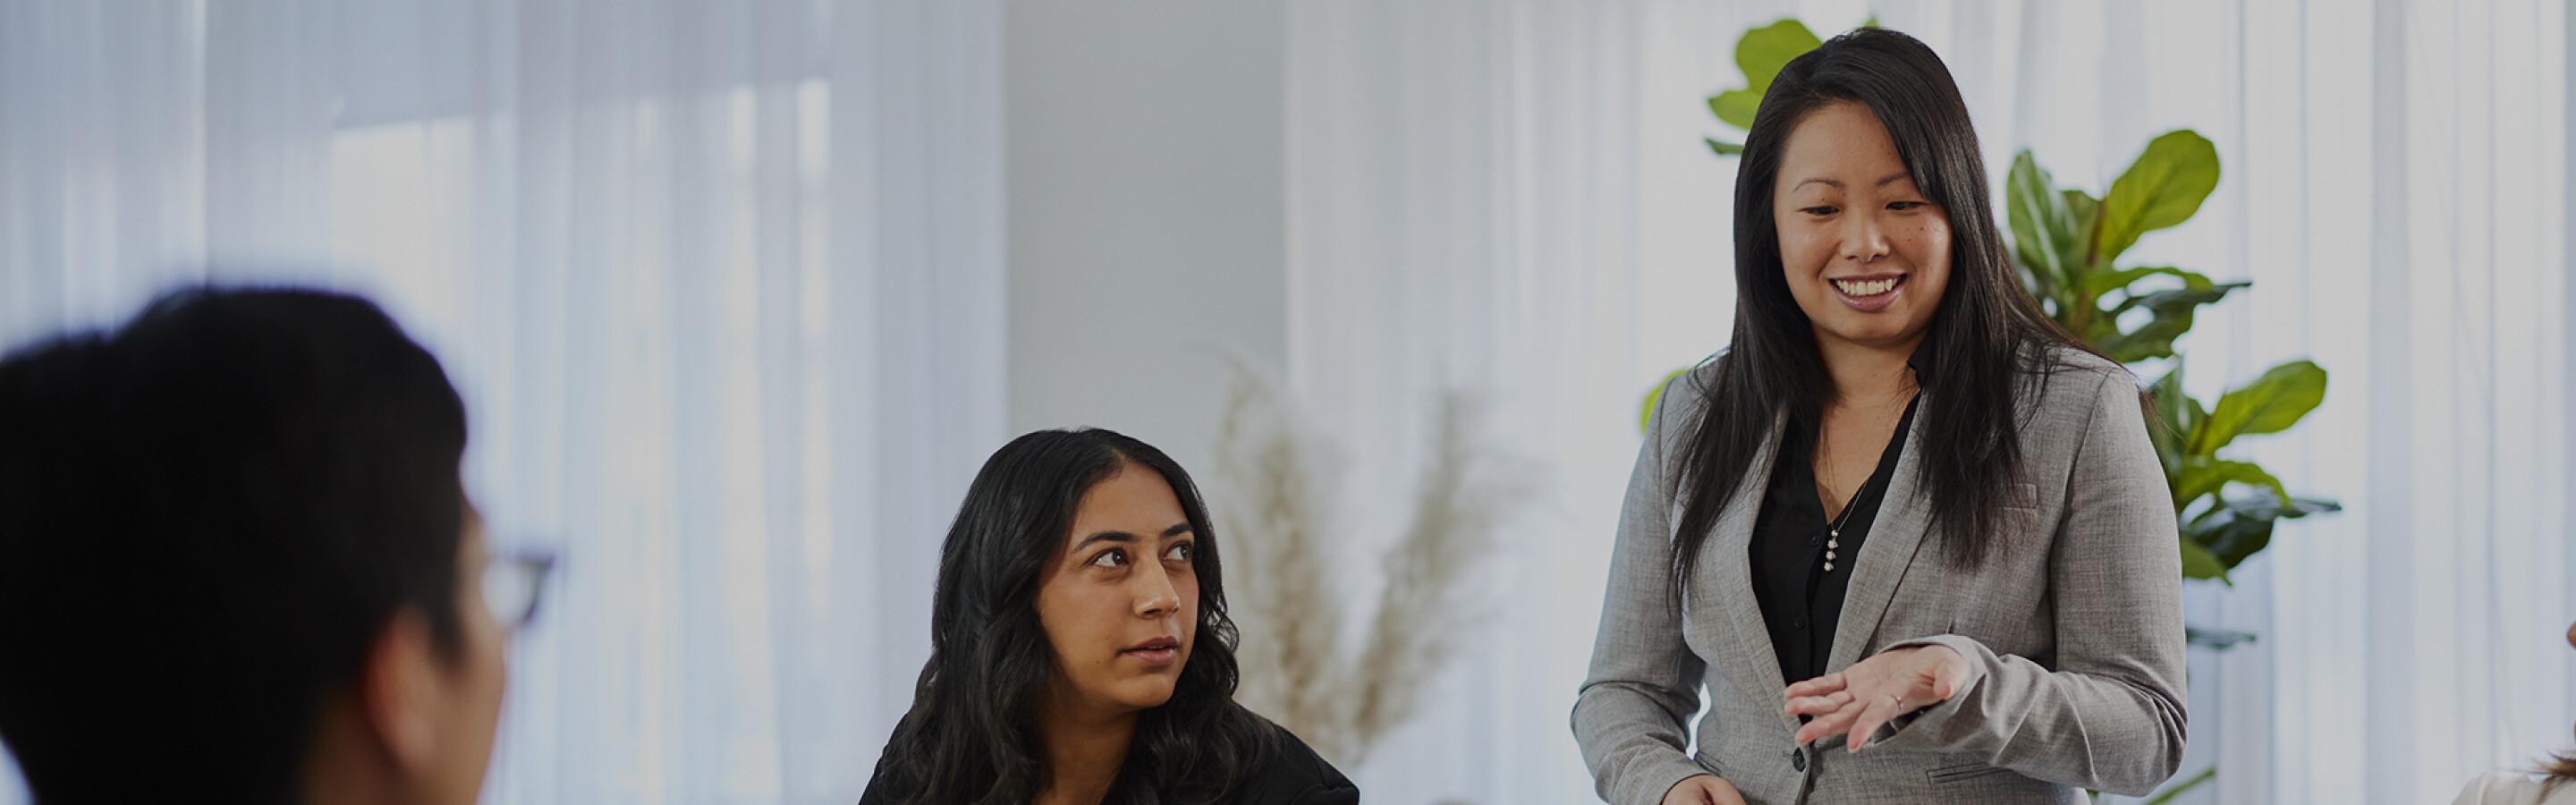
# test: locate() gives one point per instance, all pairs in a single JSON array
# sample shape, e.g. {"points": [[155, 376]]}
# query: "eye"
{"points": [[1821, 211], [1181, 552], [1907, 205], [1114, 557]]}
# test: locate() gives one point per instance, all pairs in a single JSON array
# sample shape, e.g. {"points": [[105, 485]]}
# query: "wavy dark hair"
{"points": [[971, 736], [1986, 332]]}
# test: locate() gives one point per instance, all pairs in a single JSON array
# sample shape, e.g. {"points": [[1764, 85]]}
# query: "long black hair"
{"points": [[1986, 331], [971, 736]]}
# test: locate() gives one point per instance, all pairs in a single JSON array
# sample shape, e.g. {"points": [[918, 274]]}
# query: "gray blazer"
{"points": [[2072, 630]]}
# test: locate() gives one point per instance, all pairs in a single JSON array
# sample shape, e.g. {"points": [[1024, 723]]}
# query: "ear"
{"points": [[399, 691]]}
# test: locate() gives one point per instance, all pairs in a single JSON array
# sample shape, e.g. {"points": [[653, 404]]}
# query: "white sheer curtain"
{"points": [[721, 283], [1512, 196]]}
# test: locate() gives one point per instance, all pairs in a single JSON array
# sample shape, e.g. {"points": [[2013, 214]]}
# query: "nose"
{"points": [[1155, 595], [1864, 240]]}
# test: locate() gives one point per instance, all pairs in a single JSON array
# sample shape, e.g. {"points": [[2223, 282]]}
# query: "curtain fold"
{"points": [[720, 282]]}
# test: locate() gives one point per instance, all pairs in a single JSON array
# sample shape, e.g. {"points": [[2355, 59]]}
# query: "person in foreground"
{"points": [[1080, 647], [237, 564], [1900, 488], [2555, 783]]}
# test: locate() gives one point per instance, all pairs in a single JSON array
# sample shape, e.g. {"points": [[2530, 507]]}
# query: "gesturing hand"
{"points": [[1860, 699], [1703, 789]]}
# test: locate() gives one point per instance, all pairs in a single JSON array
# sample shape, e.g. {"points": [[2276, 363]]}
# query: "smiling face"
{"points": [[1865, 252], [1120, 598]]}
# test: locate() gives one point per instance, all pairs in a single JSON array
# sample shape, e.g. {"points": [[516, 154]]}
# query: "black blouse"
{"points": [[1288, 773], [1801, 601]]}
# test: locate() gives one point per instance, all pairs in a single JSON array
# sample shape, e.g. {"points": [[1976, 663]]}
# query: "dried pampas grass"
{"points": [[1275, 516]]}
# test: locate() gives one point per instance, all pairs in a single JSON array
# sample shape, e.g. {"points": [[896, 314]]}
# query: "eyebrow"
{"points": [[1882, 181], [1122, 537]]}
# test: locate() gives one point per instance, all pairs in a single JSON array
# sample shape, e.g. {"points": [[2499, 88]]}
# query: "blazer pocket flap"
{"points": [[1964, 771]]}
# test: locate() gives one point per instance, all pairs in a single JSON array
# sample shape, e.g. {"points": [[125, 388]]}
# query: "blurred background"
{"points": [[741, 293]]}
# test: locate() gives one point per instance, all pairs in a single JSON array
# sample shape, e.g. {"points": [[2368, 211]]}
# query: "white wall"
{"points": [[1148, 226]]}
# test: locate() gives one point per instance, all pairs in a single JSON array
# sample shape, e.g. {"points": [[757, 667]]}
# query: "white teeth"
{"points": [[1871, 288]]}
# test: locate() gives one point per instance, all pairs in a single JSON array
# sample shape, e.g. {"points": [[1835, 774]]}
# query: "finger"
{"points": [[1950, 676], [1828, 725], [1819, 705], [1724, 793], [1818, 686], [1875, 712]]}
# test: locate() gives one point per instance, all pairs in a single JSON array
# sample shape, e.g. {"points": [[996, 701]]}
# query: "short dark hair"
{"points": [[206, 520]]}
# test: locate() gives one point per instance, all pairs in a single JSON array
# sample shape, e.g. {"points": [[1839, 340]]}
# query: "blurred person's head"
{"points": [[237, 563], [1079, 582], [2561, 767], [1861, 222]]}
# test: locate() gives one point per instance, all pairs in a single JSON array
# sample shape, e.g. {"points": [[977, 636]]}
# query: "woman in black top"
{"points": [[1080, 648], [1903, 515]]}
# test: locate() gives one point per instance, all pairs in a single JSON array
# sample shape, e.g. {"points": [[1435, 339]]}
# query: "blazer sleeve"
{"points": [[2110, 716], [1644, 682]]}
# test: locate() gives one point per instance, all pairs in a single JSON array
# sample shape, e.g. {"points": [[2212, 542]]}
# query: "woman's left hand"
{"points": [[1858, 700]]}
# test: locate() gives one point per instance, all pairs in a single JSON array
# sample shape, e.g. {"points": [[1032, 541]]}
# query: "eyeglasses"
{"points": [[513, 584]]}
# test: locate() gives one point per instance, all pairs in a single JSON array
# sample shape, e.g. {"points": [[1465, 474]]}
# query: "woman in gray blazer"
{"points": [[1901, 488]]}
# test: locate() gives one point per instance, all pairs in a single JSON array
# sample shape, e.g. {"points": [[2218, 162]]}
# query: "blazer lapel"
{"points": [[1893, 541], [1727, 578]]}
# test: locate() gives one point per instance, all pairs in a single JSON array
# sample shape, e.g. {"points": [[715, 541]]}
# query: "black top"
{"points": [[1288, 773], [1293, 774], [1801, 601]]}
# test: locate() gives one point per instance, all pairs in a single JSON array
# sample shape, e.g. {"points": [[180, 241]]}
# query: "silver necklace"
{"points": [[1834, 528]]}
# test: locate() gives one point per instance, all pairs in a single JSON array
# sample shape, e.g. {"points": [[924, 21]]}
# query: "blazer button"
{"points": [[1798, 760]]}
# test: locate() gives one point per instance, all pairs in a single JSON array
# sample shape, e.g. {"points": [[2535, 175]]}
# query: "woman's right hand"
{"points": [[1703, 789]]}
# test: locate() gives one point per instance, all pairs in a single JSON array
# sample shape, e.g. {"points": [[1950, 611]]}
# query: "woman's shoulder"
{"points": [[2060, 376], [1682, 398], [2514, 788], [1290, 773]]}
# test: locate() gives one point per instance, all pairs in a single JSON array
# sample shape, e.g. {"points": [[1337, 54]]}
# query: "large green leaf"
{"points": [[2040, 224], [2262, 504], [2085, 212], [2180, 414], [2206, 476], [2172, 311], [2103, 282], [2270, 404], [1723, 148], [1736, 106], [2219, 639], [2163, 188], [2197, 563], [1761, 54], [2229, 537]]}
